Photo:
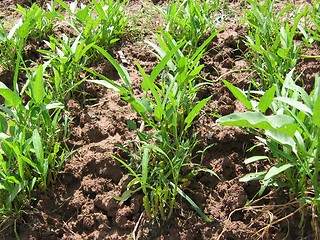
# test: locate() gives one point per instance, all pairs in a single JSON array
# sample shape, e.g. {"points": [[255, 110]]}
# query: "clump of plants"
{"points": [[163, 157], [191, 20], [271, 39], [288, 125]]}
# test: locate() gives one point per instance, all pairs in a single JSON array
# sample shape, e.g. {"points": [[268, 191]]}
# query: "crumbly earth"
{"points": [[80, 203]]}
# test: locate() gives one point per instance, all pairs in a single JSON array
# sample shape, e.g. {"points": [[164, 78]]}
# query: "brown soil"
{"points": [[80, 204]]}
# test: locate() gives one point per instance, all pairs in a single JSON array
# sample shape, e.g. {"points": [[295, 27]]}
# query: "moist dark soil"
{"points": [[80, 203]]}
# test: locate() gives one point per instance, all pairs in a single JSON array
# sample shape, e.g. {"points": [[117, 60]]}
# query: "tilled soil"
{"points": [[80, 204]]}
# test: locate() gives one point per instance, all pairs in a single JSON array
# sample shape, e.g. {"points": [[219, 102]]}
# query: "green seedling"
{"points": [[271, 40], [190, 20], [169, 107], [101, 22], [65, 58], [291, 135], [28, 141]]}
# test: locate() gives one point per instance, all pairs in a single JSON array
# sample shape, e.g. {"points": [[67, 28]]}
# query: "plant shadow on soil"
{"points": [[80, 204]]}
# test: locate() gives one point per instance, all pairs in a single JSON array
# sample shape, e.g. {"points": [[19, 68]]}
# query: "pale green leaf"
{"points": [[279, 123], [252, 177], [276, 170], [255, 158]]}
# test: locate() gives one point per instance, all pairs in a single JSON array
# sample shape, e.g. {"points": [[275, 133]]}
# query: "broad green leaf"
{"points": [[3, 125], [239, 94], [254, 159], [316, 112], [12, 98], [267, 99], [83, 14], [252, 177], [276, 170], [282, 138], [194, 112], [280, 123]]}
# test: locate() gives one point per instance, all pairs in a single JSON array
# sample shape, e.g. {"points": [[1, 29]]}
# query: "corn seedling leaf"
{"points": [[282, 138]]}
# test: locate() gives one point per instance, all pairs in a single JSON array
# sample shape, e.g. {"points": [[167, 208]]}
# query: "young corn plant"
{"points": [[65, 59], [163, 158], [101, 22], [29, 148], [291, 134], [12, 43], [271, 40], [43, 21], [190, 20]]}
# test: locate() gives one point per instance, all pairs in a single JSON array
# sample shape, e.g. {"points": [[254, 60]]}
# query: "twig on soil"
{"points": [[136, 227], [261, 232], [233, 71]]}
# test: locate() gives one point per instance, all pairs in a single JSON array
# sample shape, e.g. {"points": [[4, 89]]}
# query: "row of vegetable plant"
{"points": [[282, 115], [33, 121]]}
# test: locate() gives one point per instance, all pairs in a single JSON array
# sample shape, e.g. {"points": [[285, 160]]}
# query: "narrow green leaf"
{"points": [[296, 104], [316, 112], [194, 112], [125, 195], [252, 177], [239, 94], [38, 147], [254, 159], [121, 70], [144, 163], [108, 84], [267, 99], [18, 188], [193, 204], [276, 170]]}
